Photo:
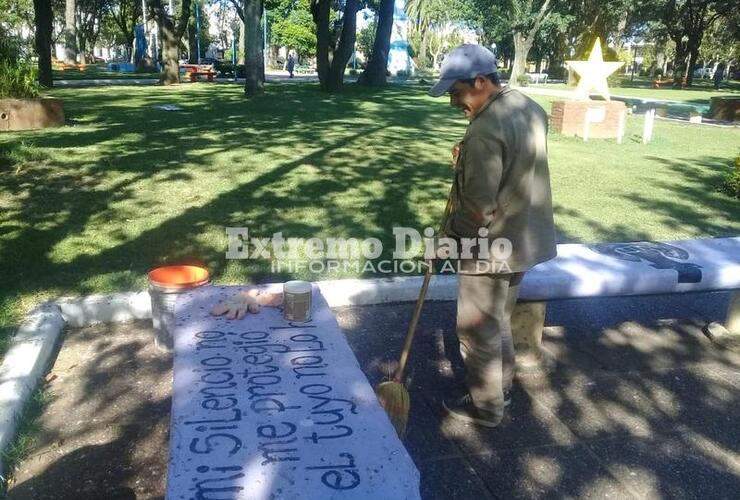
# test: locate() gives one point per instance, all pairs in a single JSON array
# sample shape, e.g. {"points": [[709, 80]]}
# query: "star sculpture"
{"points": [[593, 73]]}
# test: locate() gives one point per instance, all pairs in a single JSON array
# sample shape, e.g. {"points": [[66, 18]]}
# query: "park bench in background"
{"points": [[62, 66], [669, 81], [193, 71]]}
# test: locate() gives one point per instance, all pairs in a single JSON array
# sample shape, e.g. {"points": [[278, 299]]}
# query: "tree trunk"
{"points": [[435, 56], [424, 49], [192, 39], [660, 59], [70, 32], [172, 32], [254, 61], [330, 65], [44, 20], [521, 51], [375, 73], [82, 47], [693, 56], [693, 48], [679, 62], [242, 43], [320, 10], [343, 51], [170, 52], [129, 43]]}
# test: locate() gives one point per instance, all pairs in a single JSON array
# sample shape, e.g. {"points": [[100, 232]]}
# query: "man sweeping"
{"points": [[501, 193]]}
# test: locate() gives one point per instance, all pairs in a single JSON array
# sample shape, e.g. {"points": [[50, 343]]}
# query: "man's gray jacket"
{"points": [[502, 183]]}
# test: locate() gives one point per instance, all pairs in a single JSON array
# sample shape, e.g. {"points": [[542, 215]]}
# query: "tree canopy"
{"points": [[678, 35]]}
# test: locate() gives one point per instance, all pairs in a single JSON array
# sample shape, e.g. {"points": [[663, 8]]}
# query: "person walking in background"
{"points": [[719, 73], [290, 66]]}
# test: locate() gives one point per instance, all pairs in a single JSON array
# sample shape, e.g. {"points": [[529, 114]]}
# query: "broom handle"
{"points": [[398, 376]]}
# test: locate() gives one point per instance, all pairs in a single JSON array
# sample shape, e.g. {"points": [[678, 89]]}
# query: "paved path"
{"points": [[642, 405], [270, 77], [565, 94], [101, 82], [639, 407]]}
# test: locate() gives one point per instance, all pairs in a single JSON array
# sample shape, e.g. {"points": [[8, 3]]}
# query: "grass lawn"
{"points": [[99, 72], [700, 93], [126, 186]]}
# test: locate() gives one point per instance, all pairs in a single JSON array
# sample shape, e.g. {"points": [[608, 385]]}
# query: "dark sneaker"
{"points": [[463, 409]]}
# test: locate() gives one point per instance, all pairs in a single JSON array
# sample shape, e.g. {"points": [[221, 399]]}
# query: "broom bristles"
{"points": [[395, 400]]}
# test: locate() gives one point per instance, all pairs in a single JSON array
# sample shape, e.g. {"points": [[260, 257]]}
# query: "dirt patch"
{"points": [[105, 435]]}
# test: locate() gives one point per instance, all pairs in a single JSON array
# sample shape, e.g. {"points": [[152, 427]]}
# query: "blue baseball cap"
{"points": [[464, 62]]}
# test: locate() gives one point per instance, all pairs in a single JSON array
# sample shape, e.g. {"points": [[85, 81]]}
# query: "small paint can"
{"points": [[297, 301]]}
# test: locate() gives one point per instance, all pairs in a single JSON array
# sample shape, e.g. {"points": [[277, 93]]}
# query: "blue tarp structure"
{"points": [[140, 43]]}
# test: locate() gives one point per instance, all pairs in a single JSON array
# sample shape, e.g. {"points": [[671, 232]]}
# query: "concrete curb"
{"points": [[35, 341], [114, 308], [127, 306], [25, 363]]}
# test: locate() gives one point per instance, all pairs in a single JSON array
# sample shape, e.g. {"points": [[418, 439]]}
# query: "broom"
{"points": [[392, 394]]}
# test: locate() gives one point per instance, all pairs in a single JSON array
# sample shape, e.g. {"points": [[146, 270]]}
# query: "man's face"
{"points": [[470, 95]]}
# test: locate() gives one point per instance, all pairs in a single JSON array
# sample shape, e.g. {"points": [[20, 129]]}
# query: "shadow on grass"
{"points": [[693, 206], [281, 163], [696, 184], [92, 207]]}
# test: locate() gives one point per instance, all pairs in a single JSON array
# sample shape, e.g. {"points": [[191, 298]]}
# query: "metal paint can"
{"points": [[166, 284], [297, 301]]}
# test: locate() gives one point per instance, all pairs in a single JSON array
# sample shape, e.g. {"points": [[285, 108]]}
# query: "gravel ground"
{"points": [[105, 433]]}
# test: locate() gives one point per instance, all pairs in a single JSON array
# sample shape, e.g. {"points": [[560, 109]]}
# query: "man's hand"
{"points": [[445, 247], [248, 301], [455, 153]]}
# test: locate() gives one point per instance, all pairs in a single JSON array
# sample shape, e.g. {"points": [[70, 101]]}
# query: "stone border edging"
{"points": [[35, 341], [25, 363], [127, 306]]}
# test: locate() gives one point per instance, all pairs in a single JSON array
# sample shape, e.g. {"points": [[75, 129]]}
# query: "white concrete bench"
{"points": [[580, 271], [623, 269], [263, 408]]}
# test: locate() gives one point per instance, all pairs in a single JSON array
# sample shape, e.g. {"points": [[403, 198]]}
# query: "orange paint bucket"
{"points": [[165, 285], [178, 277]]}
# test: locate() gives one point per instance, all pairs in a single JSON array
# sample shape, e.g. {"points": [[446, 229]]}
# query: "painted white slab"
{"points": [[265, 409], [639, 268]]}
